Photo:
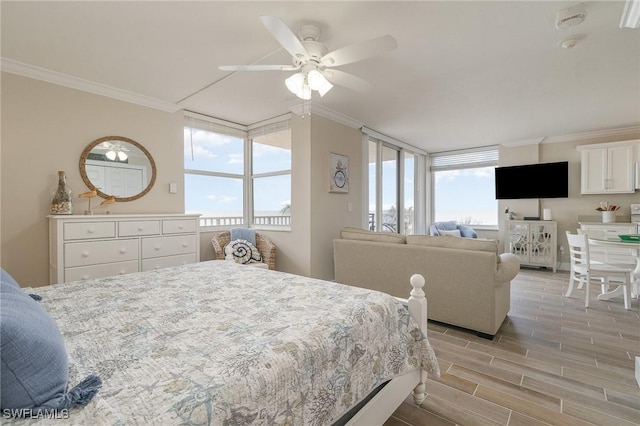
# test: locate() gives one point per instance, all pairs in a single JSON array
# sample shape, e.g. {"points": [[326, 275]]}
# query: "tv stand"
{"points": [[535, 242]]}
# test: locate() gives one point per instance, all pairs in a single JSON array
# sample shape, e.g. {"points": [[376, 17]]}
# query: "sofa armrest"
{"points": [[508, 267]]}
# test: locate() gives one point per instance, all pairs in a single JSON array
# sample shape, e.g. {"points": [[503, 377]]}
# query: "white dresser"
{"points": [[83, 247]]}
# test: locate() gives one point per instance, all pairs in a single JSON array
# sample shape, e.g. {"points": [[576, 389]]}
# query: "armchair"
{"points": [[465, 231]]}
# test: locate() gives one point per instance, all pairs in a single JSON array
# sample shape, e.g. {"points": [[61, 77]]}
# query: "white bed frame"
{"points": [[385, 402]]}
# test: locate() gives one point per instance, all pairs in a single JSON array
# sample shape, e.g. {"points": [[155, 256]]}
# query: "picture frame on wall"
{"points": [[338, 173]]}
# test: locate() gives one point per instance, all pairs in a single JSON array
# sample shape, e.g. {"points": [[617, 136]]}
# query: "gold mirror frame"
{"points": [[85, 178]]}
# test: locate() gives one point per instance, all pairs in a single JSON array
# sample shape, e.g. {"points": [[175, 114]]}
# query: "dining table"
{"points": [[632, 243]]}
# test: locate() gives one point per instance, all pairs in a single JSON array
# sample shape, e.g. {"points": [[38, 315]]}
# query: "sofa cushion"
{"points": [[477, 244], [454, 233], [365, 235]]}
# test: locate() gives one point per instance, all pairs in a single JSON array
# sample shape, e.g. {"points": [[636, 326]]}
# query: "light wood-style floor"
{"points": [[552, 362]]}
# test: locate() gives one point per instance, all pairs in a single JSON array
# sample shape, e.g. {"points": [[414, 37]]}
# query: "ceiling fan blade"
{"points": [[345, 79], [285, 36], [258, 68], [359, 51]]}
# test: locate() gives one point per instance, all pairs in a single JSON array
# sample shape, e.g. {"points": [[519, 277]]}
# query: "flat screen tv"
{"points": [[544, 180]]}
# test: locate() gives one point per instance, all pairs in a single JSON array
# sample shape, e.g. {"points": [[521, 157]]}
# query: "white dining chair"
{"points": [[583, 271]]}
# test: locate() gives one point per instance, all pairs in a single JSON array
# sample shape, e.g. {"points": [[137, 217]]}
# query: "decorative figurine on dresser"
{"points": [[61, 202], [100, 244]]}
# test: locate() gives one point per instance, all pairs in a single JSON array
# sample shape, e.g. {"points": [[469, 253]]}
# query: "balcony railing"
{"points": [[239, 220]]}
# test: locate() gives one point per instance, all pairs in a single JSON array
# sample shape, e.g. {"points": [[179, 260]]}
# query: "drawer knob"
{"points": [[85, 254], [123, 272], [180, 226], [85, 277], [140, 228], [185, 245], [157, 248], [91, 230], [123, 250]]}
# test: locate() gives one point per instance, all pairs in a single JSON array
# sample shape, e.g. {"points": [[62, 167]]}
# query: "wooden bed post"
{"points": [[418, 309]]}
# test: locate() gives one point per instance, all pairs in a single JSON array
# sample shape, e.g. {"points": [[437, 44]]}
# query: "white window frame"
{"points": [[419, 196], [473, 158], [246, 133]]}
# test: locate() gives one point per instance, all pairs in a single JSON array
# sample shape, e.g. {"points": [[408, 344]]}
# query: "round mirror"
{"points": [[118, 167]]}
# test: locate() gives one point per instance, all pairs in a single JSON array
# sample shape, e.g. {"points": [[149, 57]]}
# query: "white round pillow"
{"points": [[242, 251]]}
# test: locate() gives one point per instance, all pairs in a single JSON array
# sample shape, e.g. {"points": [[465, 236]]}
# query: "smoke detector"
{"points": [[571, 42], [571, 16]]}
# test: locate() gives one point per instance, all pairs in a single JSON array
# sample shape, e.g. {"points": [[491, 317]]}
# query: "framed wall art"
{"points": [[338, 173]]}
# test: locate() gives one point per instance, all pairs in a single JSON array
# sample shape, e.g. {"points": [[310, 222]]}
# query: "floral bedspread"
{"points": [[220, 343]]}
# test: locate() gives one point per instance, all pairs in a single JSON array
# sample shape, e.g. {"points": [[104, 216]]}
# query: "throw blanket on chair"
{"points": [[243, 234]]}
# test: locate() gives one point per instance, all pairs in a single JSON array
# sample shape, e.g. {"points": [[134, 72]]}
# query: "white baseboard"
{"points": [[638, 370]]}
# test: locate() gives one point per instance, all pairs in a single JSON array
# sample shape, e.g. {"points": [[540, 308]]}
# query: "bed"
{"points": [[220, 343]]}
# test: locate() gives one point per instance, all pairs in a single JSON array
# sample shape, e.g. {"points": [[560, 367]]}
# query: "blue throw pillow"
{"points": [[467, 231], [34, 365], [8, 279]]}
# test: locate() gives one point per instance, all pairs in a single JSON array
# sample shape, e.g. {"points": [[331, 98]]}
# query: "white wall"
{"points": [[563, 210], [45, 127], [316, 215], [330, 211]]}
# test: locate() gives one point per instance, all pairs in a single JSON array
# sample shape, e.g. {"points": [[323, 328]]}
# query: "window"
{"points": [[237, 176], [395, 189], [464, 187], [271, 153]]}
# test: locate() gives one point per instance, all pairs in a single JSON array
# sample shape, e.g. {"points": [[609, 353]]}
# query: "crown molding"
{"points": [[307, 108], [524, 142], [42, 74], [573, 137], [607, 133]]}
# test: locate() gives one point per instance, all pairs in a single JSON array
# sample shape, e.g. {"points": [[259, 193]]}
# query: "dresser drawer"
{"points": [[178, 226], [138, 228], [168, 246], [89, 230], [100, 271], [164, 262], [98, 252]]}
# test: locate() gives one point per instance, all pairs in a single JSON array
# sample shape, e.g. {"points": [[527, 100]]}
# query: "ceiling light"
{"points": [[301, 84], [119, 154], [295, 83], [631, 14], [318, 82]]}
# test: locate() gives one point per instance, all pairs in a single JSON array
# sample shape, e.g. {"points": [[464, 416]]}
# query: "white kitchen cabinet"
{"points": [[83, 247], [608, 168], [535, 242]]}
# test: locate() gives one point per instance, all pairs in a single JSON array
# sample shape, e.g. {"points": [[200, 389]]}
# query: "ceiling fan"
{"points": [[313, 61]]}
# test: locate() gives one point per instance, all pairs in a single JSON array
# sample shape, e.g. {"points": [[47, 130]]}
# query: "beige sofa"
{"points": [[467, 280]]}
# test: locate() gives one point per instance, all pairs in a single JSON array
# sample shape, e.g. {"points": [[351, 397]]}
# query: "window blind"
{"points": [[268, 129], [214, 125], [464, 159]]}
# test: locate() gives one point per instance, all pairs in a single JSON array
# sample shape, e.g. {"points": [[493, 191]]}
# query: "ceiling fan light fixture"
{"points": [[295, 83], [122, 156], [318, 82], [111, 155], [305, 92]]}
